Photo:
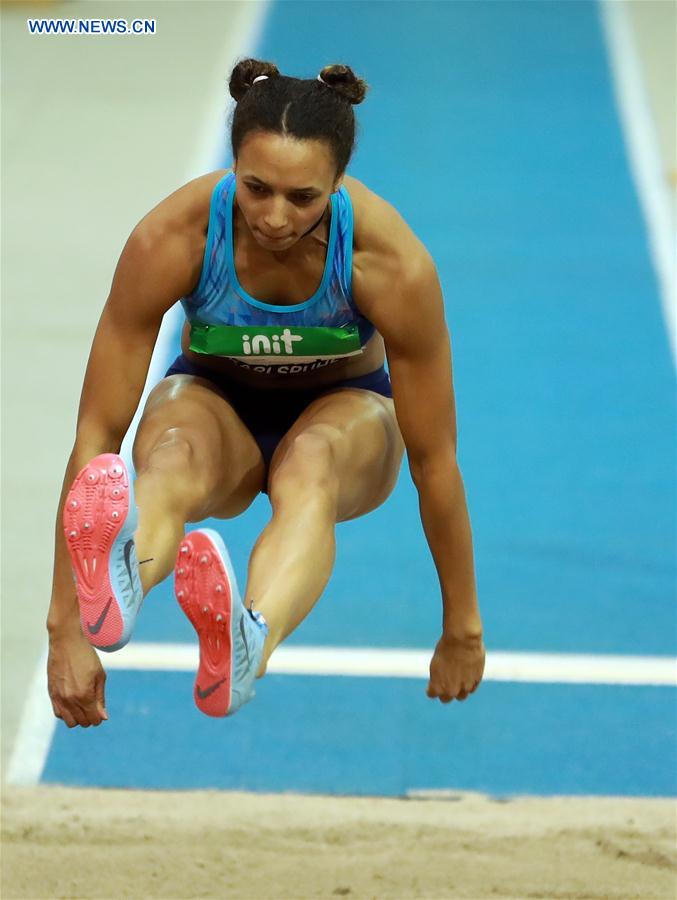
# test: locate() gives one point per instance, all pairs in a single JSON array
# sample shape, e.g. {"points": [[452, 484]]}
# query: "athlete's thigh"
{"points": [[366, 447], [191, 411]]}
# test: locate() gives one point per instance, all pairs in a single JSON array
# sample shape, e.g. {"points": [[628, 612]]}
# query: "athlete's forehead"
{"points": [[284, 163]]}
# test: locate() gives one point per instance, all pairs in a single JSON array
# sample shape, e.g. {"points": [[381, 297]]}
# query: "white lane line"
{"points": [[645, 161], [35, 733], [380, 662]]}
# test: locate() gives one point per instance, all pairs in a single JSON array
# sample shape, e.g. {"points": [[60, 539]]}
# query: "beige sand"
{"points": [[90, 843]]}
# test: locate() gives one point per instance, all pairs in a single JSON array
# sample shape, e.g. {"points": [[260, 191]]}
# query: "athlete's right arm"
{"points": [[159, 264]]}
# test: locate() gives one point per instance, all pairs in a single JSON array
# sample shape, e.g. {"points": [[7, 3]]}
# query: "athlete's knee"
{"points": [[171, 449], [178, 427], [307, 470], [174, 471]]}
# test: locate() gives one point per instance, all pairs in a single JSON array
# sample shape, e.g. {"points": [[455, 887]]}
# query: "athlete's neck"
{"points": [[319, 222]]}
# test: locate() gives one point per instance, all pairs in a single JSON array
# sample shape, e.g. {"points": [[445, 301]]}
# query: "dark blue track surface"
{"points": [[492, 128]]}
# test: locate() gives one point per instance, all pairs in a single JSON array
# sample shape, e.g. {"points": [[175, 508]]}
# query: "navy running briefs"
{"points": [[269, 413]]}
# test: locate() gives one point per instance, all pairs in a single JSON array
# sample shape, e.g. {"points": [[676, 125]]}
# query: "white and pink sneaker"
{"points": [[99, 521], [231, 637]]}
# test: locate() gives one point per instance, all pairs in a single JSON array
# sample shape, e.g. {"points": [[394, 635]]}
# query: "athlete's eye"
{"points": [[255, 188], [303, 198]]}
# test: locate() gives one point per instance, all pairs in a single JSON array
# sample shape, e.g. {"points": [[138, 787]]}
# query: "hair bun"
{"points": [[244, 73], [345, 82]]}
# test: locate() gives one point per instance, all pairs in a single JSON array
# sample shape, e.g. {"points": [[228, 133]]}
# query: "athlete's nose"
{"points": [[275, 218]]}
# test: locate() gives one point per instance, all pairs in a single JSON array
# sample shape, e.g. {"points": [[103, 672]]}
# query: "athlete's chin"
{"points": [[274, 243]]}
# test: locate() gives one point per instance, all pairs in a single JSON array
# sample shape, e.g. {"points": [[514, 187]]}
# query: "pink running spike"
{"points": [[194, 582], [91, 534]]}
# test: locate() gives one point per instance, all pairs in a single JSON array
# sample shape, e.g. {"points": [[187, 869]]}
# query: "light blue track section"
{"points": [[378, 736], [492, 128]]}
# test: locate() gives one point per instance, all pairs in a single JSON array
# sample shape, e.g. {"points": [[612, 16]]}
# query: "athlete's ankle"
{"points": [[272, 642]]}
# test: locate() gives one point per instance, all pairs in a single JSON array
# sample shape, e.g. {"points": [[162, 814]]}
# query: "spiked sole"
{"points": [[204, 588], [99, 521]]}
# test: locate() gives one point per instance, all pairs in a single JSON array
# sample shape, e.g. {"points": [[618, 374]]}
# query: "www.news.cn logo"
{"points": [[91, 26]]}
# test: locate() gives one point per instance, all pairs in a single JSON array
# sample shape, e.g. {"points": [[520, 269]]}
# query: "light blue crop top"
{"points": [[273, 339]]}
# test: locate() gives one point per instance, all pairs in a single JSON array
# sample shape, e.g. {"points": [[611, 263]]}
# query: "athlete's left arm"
{"points": [[409, 314]]}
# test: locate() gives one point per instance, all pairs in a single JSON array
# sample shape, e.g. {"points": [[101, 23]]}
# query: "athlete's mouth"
{"points": [[274, 239]]}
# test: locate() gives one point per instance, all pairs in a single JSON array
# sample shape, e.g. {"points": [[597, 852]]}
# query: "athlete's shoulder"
{"points": [[379, 227], [168, 243], [183, 211], [388, 257]]}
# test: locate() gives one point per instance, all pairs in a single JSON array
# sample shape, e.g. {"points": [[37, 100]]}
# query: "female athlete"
{"points": [[297, 281]]}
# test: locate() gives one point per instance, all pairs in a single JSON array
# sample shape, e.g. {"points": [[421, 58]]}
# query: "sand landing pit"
{"points": [[66, 843]]}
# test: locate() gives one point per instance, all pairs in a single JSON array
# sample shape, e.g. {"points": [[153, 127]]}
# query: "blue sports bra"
{"points": [[267, 338]]}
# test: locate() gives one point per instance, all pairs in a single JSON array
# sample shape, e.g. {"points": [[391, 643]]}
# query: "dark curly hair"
{"points": [[317, 108]]}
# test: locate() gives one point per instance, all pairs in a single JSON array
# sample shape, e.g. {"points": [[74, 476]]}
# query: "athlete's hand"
{"points": [[456, 668], [76, 680]]}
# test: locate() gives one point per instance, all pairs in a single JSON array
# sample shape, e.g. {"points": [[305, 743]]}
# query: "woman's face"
{"points": [[283, 186]]}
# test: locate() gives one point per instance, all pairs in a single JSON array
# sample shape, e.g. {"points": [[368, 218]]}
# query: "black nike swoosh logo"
{"points": [[210, 690], [96, 627], [244, 639], [129, 546]]}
